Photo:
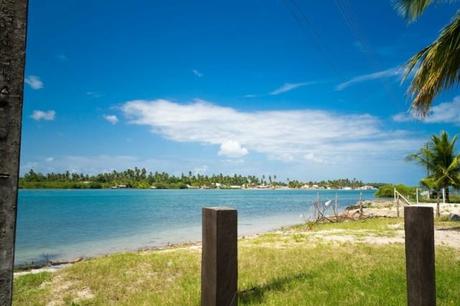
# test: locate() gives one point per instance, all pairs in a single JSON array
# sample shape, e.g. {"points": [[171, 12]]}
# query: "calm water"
{"points": [[65, 224]]}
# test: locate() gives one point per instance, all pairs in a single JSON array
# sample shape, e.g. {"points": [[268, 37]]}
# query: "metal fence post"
{"points": [[219, 266], [13, 20], [420, 269]]}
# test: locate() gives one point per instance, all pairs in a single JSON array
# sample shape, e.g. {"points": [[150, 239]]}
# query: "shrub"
{"points": [[386, 191]]}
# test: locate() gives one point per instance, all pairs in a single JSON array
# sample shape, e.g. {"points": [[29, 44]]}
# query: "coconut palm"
{"points": [[442, 162], [435, 67]]}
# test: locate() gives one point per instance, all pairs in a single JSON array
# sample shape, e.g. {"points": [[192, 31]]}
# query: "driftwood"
{"points": [[353, 212]]}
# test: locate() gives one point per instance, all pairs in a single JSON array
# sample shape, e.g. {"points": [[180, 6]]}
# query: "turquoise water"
{"points": [[65, 224]]}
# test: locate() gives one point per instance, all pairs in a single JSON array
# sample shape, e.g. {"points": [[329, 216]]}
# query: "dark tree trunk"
{"points": [[13, 17]]}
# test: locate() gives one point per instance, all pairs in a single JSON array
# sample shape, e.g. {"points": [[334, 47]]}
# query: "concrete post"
{"points": [[13, 19], [219, 266]]}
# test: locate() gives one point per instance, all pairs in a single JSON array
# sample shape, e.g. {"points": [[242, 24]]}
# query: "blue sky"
{"points": [[299, 89]]}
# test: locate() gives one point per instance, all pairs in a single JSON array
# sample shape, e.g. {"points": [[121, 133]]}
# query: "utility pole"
{"points": [[13, 24]]}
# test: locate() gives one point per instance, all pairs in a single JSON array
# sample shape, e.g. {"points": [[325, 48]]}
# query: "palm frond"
{"points": [[436, 67], [412, 9], [439, 158]]}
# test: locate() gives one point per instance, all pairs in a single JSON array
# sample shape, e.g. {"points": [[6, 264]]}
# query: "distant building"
{"points": [[263, 187], [367, 187]]}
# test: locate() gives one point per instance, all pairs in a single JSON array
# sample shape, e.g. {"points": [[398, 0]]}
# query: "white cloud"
{"points": [[49, 159], [392, 72], [197, 73], [113, 119], [93, 94], [288, 87], [312, 157], [43, 115], [34, 82], [446, 112], [309, 135], [403, 117], [233, 149]]}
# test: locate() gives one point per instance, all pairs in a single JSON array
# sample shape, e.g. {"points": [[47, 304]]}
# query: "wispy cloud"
{"points": [[403, 117], [447, 112], [392, 72], [113, 119], [288, 87], [94, 94], [197, 73], [93, 164], [308, 135], [34, 82], [39, 115]]}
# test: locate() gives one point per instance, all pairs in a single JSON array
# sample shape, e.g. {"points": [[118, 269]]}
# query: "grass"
{"points": [[279, 268]]}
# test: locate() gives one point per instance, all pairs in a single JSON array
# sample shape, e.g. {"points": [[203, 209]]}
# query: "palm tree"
{"points": [[435, 67], [441, 161]]}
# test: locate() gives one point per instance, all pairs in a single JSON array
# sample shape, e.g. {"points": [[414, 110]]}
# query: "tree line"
{"points": [[141, 178]]}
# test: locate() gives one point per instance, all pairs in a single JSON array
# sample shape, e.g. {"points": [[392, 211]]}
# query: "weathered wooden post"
{"points": [[397, 206], [420, 271], [335, 207], [219, 265], [438, 210], [416, 195], [13, 18]]}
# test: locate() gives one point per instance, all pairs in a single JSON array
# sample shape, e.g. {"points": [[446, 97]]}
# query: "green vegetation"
{"points": [[442, 162], [294, 266], [387, 191], [140, 178], [436, 66], [28, 287]]}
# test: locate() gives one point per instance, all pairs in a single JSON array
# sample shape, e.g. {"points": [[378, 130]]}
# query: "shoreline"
{"points": [[235, 189], [372, 209], [53, 266]]}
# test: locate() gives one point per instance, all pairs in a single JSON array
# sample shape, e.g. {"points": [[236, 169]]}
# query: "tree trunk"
{"points": [[13, 17]]}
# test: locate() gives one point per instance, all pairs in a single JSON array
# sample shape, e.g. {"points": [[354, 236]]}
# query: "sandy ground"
{"points": [[443, 236], [389, 209]]}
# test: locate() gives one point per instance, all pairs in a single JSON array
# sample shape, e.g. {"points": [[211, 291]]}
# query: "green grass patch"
{"points": [[31, 289]]}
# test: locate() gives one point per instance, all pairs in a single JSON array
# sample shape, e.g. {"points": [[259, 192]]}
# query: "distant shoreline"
{"points": [[236, 189]]}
